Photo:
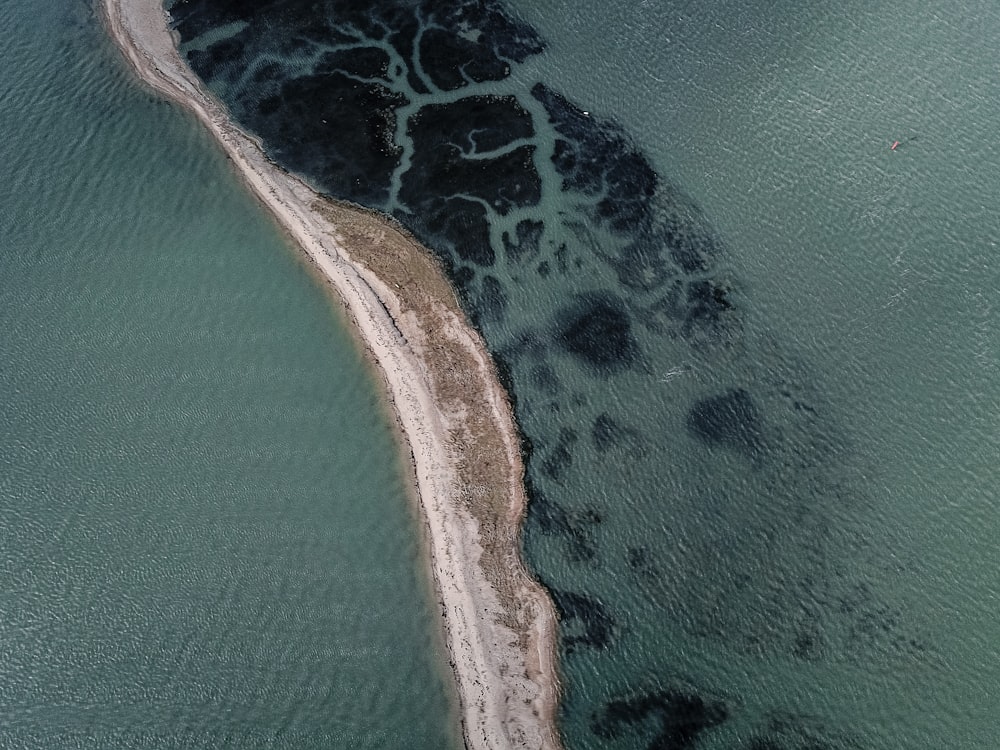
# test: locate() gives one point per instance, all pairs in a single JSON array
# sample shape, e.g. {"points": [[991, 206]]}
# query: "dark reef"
{"points": [[492, 299], [731, 419], [596, 158], [585, 621], [475, 125], [452, 59], [598, 332], [676, 717], [336, 130], [560, 458], [573, 528], [453, 182], [363, 62], [528, 242]]}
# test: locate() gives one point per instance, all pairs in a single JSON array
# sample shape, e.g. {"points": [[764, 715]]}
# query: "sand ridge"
{"points": [[499, 623]]}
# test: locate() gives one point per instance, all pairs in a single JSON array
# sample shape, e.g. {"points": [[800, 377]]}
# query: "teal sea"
{"points": [[207, 538], [754, 353]]}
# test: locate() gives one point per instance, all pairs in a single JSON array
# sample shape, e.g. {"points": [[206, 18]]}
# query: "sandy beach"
{"points": [[499, 623]]}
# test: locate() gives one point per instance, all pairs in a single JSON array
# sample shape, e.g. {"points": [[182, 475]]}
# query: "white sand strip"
{"points": [[499, 627]]}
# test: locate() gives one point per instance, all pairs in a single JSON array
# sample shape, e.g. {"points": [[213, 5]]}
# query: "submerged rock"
{"points": [[731, 419], [528, 242], [677, 716], [335, 129], [585, 621], [598, 331]]}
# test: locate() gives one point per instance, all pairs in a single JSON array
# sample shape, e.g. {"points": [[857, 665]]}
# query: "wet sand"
{"points": [[499, 623]]}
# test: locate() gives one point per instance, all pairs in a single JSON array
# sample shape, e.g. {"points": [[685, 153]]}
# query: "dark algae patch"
{"points": [[460, 173], [585, 621], [731, 420], [361, 157], [672, 719], [693, 490], [598, 332]]}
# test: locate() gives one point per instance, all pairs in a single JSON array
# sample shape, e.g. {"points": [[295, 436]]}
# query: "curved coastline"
{"points": [[499, 622]]}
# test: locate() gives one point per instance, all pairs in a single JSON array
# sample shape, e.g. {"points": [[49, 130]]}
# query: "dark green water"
{"points": [[206, 537]]}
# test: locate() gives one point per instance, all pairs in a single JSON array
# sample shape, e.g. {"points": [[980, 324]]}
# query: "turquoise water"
{"points": [[207, 539]]}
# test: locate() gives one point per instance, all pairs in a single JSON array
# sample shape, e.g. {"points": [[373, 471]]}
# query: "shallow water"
{"points": [[207, 537], [753, 349], [871, 278]]}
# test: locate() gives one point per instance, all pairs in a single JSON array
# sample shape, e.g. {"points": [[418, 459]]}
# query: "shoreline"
{"points": [[456, 420]]}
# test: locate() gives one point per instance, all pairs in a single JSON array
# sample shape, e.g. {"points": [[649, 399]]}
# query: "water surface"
{"points": [[207, 539]]}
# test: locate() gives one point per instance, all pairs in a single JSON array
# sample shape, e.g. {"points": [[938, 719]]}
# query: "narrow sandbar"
{"points": [[499, 622]]}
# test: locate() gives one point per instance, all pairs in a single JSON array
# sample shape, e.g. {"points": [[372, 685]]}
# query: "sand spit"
{"points": [[499, 623]]}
